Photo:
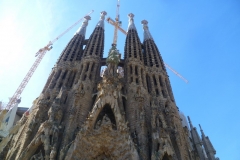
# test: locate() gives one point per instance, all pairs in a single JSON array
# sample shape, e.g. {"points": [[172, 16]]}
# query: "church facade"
{"points": [[129, 112]]}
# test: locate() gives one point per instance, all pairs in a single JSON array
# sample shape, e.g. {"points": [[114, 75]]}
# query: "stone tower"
{"points": [[82, 115]]}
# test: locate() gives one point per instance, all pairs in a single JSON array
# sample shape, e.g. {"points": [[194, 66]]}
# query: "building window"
{"points": [[136, 70]]}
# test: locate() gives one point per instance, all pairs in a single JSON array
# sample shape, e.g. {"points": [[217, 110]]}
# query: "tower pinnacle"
{"points": [[190, 122], [201, 130], [82, 29], [197, 142], [147, 34], [208, 146], [102, 18], [131, 22]]}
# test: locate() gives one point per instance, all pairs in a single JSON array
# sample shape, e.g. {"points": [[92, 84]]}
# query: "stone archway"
{"points": [[104, 134], [105, 114], [102, 142]]}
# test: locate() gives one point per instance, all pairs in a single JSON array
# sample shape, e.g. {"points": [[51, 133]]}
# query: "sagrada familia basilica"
{"points": [[126, 112]]}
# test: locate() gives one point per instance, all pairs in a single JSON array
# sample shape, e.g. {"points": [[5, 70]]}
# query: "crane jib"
{"points": [[40, 54]]}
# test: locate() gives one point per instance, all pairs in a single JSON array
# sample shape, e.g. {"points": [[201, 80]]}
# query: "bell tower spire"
{"points": [[147, 34], [82, 29], [135, 81], [95, 45], [208, 146], [153, 59], [197, 143], [151, 52], [90, 66], [133, 47], [131, 24], [73, 50], [102, 18]]}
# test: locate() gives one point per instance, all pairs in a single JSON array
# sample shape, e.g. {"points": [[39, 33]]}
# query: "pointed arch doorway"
{"points": [[106, 114], [103, 138]]}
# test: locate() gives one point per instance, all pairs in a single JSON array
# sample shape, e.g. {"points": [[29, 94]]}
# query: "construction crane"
{"points": [[40, 54], [175, 72], [117, 26], [112, 22]]}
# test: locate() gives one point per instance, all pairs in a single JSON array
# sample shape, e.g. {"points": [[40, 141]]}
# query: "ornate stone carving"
{"points": [[55, 113], [53, 153], [138, 96], [112, 61], [31, 125], [164, 146]]}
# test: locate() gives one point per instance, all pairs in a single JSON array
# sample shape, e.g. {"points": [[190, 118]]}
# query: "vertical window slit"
{"points": [[136, 80], [160, 81], [87, 67], [72, 79], [131, 69], [148, 84], [85, 77], [157, 93], [154, 79], [92, 67], [136, 70]]}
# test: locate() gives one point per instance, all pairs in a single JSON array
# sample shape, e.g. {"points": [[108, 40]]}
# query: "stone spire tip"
{"points": [[144, 22], [87, 18], [147, 34], [131, 15], [101, 22], [201, 130], [82, 29], [103, 14], [131, 22], [189, 120], [200, 127]]}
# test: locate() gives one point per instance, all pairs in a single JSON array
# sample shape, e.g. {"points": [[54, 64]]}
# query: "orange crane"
{"points": [[40, 54], [117, 26]]}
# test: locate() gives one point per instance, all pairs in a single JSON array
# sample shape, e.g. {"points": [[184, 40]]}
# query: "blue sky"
{"points": [[199, 39]]}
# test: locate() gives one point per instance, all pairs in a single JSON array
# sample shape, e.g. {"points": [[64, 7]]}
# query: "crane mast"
{"points": [[40, 54], [116, 24]]}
